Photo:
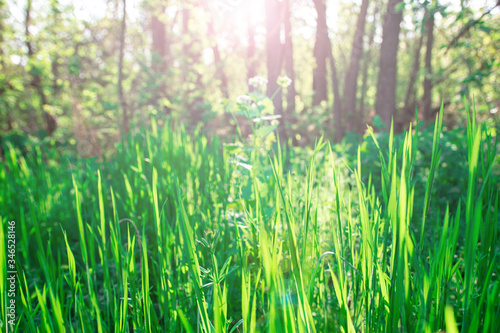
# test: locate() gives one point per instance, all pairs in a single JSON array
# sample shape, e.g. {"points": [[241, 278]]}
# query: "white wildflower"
{"points": [[244, 99], [284, 81], [271, 117], [258, 82]]}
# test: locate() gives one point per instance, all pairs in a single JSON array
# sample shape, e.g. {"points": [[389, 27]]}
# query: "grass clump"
{"points": [[176, 234]]}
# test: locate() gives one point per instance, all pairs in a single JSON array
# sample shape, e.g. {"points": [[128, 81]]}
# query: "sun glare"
{"points": [[234, 17], [242, 7], [241, 12]]}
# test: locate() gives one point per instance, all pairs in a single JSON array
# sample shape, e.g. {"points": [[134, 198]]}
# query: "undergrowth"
{"points": [[176, 234]]}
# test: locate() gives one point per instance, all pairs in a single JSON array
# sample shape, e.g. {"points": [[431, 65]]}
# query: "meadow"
{"points": [[179, 232]]}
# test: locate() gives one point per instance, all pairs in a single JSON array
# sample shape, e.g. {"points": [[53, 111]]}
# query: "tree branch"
{"points": [[468, 26]]}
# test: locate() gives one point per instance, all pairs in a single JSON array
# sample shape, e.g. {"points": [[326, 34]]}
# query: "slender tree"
{"points": [[289, 64], [351, 78], [192, 76], [192, 91], [219, 66], [320, 53], [323, 53], [36, 77], [55, 17], [123, 102], [4, 83], [337, 102], [160, 53], [429, 29], [385, 105], [251, 58], [186, 42], [160, 46], [366, 62], [274, 51], [407, 108]]}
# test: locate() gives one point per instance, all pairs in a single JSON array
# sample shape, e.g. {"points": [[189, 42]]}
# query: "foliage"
{"points": [[75, 59]]}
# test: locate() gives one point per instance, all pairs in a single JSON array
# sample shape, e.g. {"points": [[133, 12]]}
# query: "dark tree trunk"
{"points": [[385, 105], [320, 53], [288, 49], [274, 56], [121, 95], [408, 109], [366, 62], [427, 98], [36, 78], [355, 120]]}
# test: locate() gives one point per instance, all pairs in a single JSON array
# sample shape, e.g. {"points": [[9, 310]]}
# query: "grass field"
{"points": [[177, 233]]}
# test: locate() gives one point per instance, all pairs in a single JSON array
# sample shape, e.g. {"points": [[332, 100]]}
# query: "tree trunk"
{"points": [[160, 47], [288, 49], [121, 95], [337, 102], [274, 57], [320, 53], [6, 84], [186, 49], [251, 61], [220, 70], [355, 120], [366, 61], [219, 66], [56, 18], [36, 77], [385, 105], [408, 110], [159, 54], [427, 98], [192, 77]]}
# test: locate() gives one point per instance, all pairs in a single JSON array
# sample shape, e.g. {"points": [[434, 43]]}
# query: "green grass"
{"points": [[179, 234]]}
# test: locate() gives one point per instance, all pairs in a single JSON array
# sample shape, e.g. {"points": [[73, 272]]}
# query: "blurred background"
{"points": [[85, 72]]}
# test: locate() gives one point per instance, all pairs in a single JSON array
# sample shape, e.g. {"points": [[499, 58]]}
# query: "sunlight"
{"points": [[241, 7], [239, 13], [234, 17], [89, 10]]}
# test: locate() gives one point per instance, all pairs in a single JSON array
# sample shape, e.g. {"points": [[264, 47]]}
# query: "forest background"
{"points": [[85, 72]]}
